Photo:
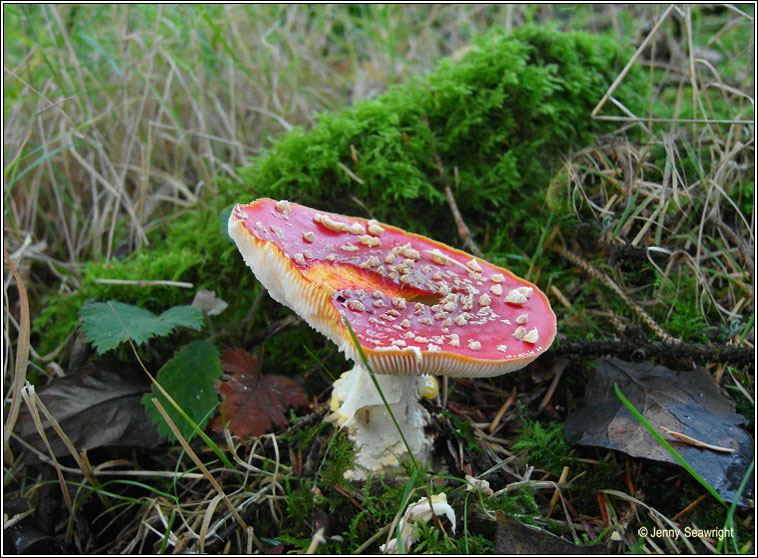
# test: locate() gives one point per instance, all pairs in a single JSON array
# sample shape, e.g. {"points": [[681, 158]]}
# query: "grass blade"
{"points": [[729, 521], [675, 454]]}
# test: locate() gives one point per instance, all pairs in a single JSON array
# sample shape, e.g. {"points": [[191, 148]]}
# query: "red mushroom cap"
{"points": [[417, 306]]}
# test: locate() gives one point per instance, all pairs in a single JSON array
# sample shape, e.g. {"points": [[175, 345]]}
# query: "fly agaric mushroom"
{"points": [[417, 307]]}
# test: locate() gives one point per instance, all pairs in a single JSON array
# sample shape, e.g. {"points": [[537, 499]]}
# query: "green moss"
{"points": [[299, 507], [546, 445], [59, 316], [193, 248], [499, 118], [463, 430], [433, 541], [339, 458], [744, 197], [519, 504], [681, 313], [302, 440], [712, 513]]}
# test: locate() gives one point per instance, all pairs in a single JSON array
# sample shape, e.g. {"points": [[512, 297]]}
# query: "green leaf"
{"points": [[188, 316], [108, 324], [189, 378]]}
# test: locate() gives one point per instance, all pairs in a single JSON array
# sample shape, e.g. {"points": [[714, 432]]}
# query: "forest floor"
{"points": [[122, 120]]}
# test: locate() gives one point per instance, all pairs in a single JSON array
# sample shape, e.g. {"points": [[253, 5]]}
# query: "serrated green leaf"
{"points": [[108, 324], [187, 316], [189, 378]]}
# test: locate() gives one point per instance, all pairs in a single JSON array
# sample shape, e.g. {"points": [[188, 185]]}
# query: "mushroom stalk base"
{"points": [[358, 409]]}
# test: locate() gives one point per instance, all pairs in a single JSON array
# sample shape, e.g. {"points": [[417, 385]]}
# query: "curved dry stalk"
{"points": [[603, 278], [22, 358]]}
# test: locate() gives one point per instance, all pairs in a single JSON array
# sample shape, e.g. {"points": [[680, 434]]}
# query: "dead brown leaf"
{"points": [[514, 537], [254, 404], [687, 403], [99, 405]]}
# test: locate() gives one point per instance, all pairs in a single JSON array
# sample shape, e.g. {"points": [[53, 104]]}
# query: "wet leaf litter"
{"points": [[686, 403]]}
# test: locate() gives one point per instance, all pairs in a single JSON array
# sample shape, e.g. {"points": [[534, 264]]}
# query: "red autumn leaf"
{"points": [[255, 404]]}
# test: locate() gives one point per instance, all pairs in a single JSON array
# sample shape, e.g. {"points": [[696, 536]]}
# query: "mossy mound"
{"points": [[492, 125]]}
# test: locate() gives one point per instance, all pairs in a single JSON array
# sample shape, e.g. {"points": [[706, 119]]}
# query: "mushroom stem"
{"points": [[358, 408]]}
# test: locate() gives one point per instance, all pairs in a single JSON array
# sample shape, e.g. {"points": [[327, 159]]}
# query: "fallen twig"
{"points": [[644, 349], [463, 230], [145, 283]]}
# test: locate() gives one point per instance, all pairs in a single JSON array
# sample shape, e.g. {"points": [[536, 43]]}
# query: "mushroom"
{"points": [[421, 511], [417, 307]]}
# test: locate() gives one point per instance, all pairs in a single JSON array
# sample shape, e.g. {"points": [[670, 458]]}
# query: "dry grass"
{"points": [[106, 131], [686, 221], [118, 118]]}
